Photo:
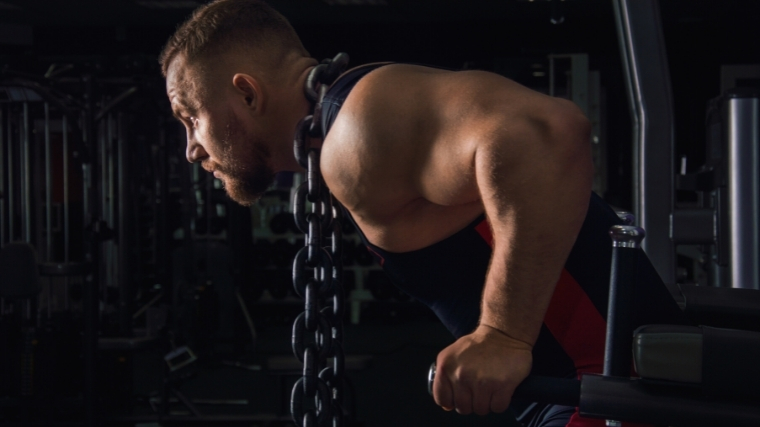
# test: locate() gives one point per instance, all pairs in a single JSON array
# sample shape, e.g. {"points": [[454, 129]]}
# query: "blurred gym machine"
{"points": [[41, 210], [724, 221], [113, 247], [84, 243]]}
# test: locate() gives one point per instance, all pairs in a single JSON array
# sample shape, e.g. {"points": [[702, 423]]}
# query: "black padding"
{"points": [[664, 329], [668, 353], [19, 274], [731, 362], [722, 307]]}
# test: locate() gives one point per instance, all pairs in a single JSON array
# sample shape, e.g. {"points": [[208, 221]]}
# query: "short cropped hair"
{"points": [[221, 24]]}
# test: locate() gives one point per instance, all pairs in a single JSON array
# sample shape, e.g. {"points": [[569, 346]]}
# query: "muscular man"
{"points": [[473, 191]]}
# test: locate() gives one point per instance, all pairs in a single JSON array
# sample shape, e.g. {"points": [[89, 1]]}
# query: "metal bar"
{"points": [[90, 307], [103, 137], [25, 164], [626, 241], [744, 190], [66, 230], [3, 192], [124, 239], [650, 102], [48, 192], [11, 192], [110, 203], [534, 388]]}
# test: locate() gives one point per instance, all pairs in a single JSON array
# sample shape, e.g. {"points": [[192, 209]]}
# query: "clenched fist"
{"points": [[479, 372]]}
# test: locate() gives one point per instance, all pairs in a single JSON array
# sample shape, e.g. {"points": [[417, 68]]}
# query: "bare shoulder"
{"points": [[402, 120], [406, 137], [372, 145]]}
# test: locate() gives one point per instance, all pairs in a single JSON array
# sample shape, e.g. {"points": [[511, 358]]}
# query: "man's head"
{"points": [[230, 74]]}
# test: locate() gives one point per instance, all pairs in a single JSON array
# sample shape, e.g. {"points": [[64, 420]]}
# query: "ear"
{"points": [[250, 91]]}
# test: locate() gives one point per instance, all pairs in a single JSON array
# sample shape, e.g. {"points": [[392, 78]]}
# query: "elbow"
{"points": [[570, 126], [571, 137]]}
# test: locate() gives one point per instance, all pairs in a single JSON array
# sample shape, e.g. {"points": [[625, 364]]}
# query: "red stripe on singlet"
{"points": [[379, 257], [571, 318], [576, 325], [485, 232]]}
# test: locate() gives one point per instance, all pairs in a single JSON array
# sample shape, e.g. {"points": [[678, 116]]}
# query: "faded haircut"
{"points": [[221, 25]]}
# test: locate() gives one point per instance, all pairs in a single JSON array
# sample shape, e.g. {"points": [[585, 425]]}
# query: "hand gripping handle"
{"points": [[557, 391]]}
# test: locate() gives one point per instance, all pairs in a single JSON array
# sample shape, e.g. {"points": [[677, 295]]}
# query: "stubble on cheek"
{"points": [[246, 171]]}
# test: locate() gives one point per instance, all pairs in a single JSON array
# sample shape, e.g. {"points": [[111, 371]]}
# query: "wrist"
{"points": [[515, 341]]}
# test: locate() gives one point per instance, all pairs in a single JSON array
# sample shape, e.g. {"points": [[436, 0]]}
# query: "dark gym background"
{"points": [[117, 42]]}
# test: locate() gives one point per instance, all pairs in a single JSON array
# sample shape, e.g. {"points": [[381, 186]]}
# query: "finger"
{"points": [[462, 398], [442, 392], [481, 399], [500, 400]]}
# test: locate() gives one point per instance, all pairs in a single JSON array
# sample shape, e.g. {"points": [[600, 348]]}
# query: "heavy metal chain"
{"points": [[318, 272]]}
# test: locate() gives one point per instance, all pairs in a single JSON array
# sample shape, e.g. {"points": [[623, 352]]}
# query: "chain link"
{"points": [[317, 396]]}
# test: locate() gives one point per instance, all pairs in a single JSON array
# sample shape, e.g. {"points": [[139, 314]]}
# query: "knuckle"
{"points": [[464, 375]]}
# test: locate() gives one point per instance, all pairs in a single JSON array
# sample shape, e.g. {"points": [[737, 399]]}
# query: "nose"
{"points": [[195, 151]]}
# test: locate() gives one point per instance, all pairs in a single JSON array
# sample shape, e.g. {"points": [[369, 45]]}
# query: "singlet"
{"points": [[449, 276]]}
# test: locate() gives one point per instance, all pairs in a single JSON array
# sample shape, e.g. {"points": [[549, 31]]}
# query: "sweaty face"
{"points": [[218, 138]]}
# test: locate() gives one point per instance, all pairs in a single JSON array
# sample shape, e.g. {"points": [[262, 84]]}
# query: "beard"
{"points": [[244, 165]]}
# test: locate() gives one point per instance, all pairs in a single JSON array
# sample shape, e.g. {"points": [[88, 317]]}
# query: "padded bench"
{"points": [[722, 362]]}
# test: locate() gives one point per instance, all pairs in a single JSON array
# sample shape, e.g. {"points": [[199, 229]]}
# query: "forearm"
{"points": [[535, 200]]}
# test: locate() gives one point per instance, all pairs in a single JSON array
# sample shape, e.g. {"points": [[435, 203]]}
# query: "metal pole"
{"points": [[91, 301], [648, 84], [626, 242], [3, 192], [66, 254], [123, 274], [11, 192], [48, 209], [743, 128], [110, 203], [25, 164], [48, 191], [103, 136]]}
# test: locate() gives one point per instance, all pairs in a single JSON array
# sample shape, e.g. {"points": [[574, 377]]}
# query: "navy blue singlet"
{"points": [[449, 276]]}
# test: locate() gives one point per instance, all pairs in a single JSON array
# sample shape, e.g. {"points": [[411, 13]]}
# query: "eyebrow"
{"points": [[181, 106], [176, 115]]}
